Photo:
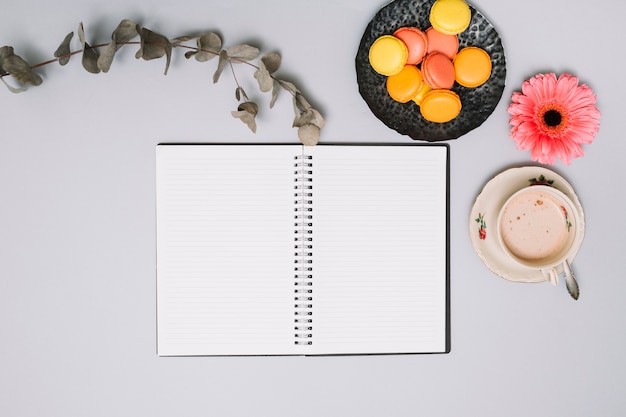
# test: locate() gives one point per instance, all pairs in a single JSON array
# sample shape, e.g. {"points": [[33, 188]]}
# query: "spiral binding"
{"points": [[303, 269]]}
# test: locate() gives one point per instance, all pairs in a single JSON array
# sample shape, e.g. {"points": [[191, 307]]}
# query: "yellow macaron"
{"points": [[424, 89], [472, 66], [440, 106], [388, 55], [450, 17]]}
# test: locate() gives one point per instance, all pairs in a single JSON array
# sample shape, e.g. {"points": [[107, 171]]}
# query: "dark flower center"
{"points": [[552, 118]]}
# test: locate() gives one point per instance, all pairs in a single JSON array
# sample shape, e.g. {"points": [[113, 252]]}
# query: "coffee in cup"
{"points": [[537, 227]]}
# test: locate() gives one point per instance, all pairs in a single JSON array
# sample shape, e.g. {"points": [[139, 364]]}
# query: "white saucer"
{"points": [[485, 212]]}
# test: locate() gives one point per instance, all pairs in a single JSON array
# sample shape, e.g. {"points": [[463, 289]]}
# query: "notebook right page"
{"points": [[379, 249]]}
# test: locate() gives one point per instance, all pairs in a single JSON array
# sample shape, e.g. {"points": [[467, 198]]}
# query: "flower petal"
{"points": [[575, 102]]}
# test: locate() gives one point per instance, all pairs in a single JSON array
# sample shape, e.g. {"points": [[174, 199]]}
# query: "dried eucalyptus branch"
{"points": [[152, 45]]}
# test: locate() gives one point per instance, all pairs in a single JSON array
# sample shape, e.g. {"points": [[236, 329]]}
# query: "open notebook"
{"points": [[294, 250]]}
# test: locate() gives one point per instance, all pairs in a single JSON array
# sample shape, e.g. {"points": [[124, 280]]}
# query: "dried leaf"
{"points": [[309, 135], [90, 59], [239, 93], [297, 112], [302, 119], [289, 87], [5, 51], [154, 46], [125, 31], [271, 61], [180, 39], [275, 92], [317, 119], [17, 67], [90, 55], [264, 78], [21, 71], [246, 118], [81, 33], [106, 57], [12, 89], [309, 117], [246, 112], [63, 51], [300, 102], [243, 53], [250, 107], [220, 66], [209, 46]]}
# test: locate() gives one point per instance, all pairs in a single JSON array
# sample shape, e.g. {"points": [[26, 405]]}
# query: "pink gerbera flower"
{"points": [[553, 117]]}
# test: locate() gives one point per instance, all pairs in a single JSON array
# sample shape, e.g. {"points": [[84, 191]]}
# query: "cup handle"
{"points": [[551, 276]]}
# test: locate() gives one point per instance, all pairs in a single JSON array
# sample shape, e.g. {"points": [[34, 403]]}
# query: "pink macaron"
{"points": [[440, 42], [415, 41], [438, 71]]}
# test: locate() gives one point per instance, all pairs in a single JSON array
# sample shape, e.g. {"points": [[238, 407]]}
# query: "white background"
{"points": [[77, 221]]}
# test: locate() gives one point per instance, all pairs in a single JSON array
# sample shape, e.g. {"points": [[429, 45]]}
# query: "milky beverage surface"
{"points": [[534, 226]]}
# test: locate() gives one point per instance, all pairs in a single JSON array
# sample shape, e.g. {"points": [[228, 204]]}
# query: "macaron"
{"points": [[405, 85], [440, 106], [440, 42], [388, 55], [424, 89], [450, 17], [472, 66], [415, 40], [438, 71]]}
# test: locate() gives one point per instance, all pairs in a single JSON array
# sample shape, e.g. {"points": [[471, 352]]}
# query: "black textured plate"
{"points": [[477, 103]]}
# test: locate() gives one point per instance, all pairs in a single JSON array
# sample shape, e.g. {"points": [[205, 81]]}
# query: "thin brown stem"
{"points": [[102, 45]]}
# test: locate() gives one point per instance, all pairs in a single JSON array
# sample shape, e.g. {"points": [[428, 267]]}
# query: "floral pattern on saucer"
{"points": [[485, 212], [541, 180], [482, 228]]}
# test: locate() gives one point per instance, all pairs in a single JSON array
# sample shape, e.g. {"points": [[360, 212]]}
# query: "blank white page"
{"points": [[225, 249], [379, 249]]}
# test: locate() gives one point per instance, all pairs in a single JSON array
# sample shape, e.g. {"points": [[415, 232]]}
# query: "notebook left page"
{"points": [[225, 249]]}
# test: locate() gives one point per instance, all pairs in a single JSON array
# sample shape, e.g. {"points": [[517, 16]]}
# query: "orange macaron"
{"points": [[415, 41], [405, 85], [438, 71], [440, 106], [472, 66]]}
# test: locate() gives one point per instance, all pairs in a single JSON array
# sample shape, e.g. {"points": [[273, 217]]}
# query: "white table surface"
{"points": [[77, 222]]}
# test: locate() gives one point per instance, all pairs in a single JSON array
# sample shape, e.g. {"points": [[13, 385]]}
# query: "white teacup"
{"points": [[537, 227]]}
